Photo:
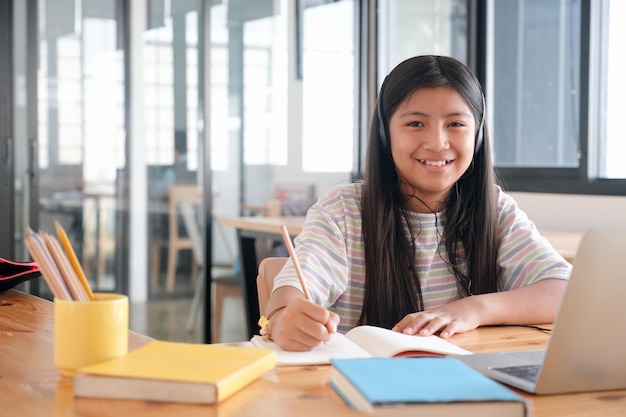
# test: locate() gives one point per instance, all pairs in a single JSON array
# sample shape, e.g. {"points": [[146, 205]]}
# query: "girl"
{"points": [[427, 243]]}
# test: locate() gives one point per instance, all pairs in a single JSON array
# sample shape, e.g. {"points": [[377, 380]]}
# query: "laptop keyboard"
{"points": [[526, 372]]}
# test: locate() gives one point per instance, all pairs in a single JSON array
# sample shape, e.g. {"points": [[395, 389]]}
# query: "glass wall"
{"points": [[171, 140], [247, 102], [100, 179], [81, 131]]}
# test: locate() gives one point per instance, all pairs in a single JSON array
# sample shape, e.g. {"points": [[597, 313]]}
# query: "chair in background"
{"points": [[294, 191], [174, 242], [225, 286], [268, 269]]}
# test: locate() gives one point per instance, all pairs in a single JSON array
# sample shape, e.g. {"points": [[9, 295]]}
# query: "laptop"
{"points": [[587, 346]]}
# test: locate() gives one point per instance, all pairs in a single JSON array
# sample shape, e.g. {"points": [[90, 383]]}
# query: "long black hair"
{"points": [[392, 287]]}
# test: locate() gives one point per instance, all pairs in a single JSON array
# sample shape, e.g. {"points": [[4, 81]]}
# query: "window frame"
{"points": [[584, 179]]}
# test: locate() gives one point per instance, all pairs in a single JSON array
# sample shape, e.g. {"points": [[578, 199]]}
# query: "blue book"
{"points": [[429, 386]]}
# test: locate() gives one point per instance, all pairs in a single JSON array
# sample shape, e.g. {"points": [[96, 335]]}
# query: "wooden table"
{"points": [[249, 228], [30, 384]]}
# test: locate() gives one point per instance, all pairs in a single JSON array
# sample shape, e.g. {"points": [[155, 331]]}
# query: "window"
{"points": [[554, 90], [536, 83], [408, 28], [265, 91], [328, 85], [170, 61]]}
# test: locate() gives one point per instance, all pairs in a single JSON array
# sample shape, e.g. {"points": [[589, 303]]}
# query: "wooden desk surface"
{"points": [[30, 384]]}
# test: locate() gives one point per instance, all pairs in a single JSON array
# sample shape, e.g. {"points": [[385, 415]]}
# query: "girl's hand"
{"points": [[302, 325], [457, 317], [536, 303]]}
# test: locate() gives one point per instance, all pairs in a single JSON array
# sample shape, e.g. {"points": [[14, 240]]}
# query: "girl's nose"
{"points": [[437, 140]]}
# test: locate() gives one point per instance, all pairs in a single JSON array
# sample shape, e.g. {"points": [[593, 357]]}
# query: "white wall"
{"points": [[574, 213]]}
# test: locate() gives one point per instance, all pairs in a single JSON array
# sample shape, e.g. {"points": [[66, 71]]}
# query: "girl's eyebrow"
{"points": [[422, 114]]}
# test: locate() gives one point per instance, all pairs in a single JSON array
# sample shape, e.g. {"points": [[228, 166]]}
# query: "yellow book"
{"points": [[175, 372]]}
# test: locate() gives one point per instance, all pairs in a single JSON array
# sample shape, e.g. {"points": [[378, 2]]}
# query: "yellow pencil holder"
{"points": [[88, 332]]}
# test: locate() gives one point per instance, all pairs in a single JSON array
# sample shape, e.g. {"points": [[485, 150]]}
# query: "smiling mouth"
{"points": [[435, 163]]}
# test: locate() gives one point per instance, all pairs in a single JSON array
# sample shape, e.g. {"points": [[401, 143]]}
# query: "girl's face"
{"points": [[432, 144]]}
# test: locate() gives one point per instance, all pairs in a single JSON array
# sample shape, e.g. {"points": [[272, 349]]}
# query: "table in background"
{"points": [[565, 243], [250, 228], [30, 384]]}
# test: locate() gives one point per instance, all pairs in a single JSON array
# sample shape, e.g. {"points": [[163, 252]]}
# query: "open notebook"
{"points": [[364, 342], [587, 348]]}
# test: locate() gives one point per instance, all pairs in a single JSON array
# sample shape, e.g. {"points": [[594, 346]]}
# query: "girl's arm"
{"points": [[536, 303]]}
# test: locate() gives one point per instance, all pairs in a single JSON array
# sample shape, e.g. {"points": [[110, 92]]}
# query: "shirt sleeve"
{"points": [[321, 250], [525, 256]]}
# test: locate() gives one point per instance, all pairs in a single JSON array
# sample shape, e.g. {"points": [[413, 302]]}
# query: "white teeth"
{"points": [[435, 163]]}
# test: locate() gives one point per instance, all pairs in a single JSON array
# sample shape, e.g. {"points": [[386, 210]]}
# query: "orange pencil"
{"points": [[296, 264], [73, 259]]}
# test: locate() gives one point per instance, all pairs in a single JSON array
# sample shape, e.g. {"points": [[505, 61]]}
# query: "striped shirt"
{"points": [[331, 252]]}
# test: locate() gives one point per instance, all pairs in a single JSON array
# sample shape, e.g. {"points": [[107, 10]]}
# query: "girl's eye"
{"points": [[416, 124], [457, 124]]}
